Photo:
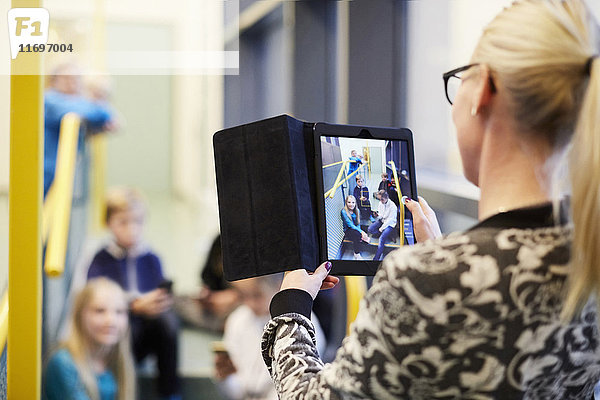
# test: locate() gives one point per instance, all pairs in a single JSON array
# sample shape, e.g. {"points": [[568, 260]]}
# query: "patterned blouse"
{"points": [[473, 315]]}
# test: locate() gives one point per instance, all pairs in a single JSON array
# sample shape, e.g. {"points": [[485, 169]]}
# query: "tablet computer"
{"points": [[363, 176]]}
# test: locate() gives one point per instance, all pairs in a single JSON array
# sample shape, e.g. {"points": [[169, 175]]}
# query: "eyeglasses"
{"points": [[452, 80]]}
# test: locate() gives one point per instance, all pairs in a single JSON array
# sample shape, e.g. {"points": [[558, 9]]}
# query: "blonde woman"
{"points": [[95, 361], [350, 215], [507, 309]]}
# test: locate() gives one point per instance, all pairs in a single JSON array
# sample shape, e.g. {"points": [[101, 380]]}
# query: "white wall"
{"points": [[442, 36]]}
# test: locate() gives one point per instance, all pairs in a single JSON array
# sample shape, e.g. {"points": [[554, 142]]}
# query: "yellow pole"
{"points": [[339, 176], [3, 320], [356, 287], [24, 237], [401, 205], [98, 181], [62, 189], [331, 191], [98, 142]]}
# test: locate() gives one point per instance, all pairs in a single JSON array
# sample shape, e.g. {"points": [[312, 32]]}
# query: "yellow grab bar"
{"points": [[356, 287], [332, 164], [401, 205], [340, 182], [63, 195], [339, 177], [47, 215], [3, 320]]}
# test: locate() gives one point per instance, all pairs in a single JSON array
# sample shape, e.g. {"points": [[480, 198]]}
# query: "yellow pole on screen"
{"points": [[339, 177], [401, 205], [24, 237]]}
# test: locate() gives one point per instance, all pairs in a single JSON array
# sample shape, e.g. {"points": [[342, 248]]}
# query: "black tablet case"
{"points": [[266, 188]]}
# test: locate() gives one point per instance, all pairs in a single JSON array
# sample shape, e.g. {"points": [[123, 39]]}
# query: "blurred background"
{"points": [[367, 62]]}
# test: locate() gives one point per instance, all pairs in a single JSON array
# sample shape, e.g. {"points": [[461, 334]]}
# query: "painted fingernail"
{"points": [[328, 266]]}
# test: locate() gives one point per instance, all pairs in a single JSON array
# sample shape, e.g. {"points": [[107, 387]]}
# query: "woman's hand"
{"points": [[310, 282], [425, 222], [364, 237]]}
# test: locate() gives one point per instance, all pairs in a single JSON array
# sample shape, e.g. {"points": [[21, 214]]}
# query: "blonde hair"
{"points": [[119, 359], [122, 198], [539, 50], [356, 210]]}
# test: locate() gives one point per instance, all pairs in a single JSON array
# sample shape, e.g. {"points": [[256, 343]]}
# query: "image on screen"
{"points": [[365, 182]]}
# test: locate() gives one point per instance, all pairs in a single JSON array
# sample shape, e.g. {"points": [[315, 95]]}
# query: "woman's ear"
{"points": [[484, 89]]}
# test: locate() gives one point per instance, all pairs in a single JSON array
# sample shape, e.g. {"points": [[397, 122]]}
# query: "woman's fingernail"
{"points": [[328, 266]]}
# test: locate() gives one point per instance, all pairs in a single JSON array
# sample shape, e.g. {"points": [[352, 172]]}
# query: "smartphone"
{"points": [[166, 284], [356, 228]]}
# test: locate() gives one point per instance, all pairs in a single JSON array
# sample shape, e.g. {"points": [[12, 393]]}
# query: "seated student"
{"points": [[351, 224], [393, 193], [387, 215], [240, 370], [385, 185], [130, 263], [95, 360], [361, 194]]}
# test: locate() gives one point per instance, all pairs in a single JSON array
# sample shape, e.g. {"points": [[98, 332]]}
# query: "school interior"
{"points": [[174, 73]]}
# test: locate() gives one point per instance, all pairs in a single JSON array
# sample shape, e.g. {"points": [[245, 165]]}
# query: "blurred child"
{"points": [[240, 368], [95, 361], [215, 300], [129, 262]]}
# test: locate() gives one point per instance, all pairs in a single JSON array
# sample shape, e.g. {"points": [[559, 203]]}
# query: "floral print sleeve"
{"points": [[447, 320]]}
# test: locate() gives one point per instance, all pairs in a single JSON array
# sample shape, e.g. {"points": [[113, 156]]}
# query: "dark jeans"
{"points": [[385, 237], [355, 237], [158, 336]]}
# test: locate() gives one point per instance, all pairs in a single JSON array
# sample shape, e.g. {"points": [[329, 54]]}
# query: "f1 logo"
{"points": [[27, 26]]}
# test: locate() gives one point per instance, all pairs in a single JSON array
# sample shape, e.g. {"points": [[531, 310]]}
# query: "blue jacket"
{"points": [[111, 264], [362, 204], [62, 380], [349, 223], [353, 165], [56, 105]]}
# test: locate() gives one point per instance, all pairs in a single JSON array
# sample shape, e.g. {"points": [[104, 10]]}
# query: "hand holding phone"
{"points": [[167, 285]]}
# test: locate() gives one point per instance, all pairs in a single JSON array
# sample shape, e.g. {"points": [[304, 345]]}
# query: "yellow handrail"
{"points": [[332, 164], [339, 177], [3, 319], [400, 205], [60, 213], [339, 182]]}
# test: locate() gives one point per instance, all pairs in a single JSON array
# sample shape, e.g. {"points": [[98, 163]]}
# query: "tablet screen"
{"points": [[364, 184]]}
